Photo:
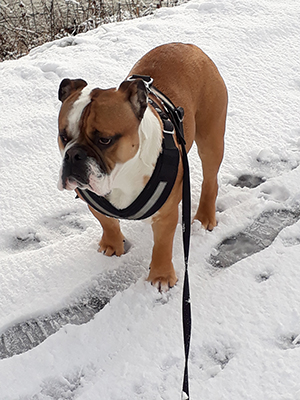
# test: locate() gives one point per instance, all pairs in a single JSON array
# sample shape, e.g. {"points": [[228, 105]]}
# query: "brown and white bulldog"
{"points": [[110, 141]]}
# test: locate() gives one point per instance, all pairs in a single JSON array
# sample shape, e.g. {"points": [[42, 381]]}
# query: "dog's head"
{"points": [[98, 131]]}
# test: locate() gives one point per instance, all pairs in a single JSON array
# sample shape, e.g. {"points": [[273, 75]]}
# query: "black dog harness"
{"points": [[162, 180]]}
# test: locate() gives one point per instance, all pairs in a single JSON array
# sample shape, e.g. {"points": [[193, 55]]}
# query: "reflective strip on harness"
{"points": [[93, 203], [156, 195], [139, 215]]}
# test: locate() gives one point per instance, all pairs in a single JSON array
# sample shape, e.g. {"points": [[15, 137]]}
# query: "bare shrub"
{"points": [[25, 24]]}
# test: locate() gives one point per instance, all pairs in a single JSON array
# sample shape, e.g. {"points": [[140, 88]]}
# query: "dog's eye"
{"points": [[63, 137], [104, 141]]}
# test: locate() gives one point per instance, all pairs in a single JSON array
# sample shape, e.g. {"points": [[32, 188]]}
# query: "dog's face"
{"points": [[98, 132]]}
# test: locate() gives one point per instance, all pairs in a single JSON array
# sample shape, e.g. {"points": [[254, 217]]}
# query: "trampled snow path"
{"points": [[30, 333], [246, 319], [27, 334]]}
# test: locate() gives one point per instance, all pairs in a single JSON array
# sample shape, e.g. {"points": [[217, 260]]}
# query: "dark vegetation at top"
{"points": [[25, 24]]}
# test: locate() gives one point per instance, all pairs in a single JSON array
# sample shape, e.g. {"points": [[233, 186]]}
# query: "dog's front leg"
{"points": [[112, 241], [162, 274]]}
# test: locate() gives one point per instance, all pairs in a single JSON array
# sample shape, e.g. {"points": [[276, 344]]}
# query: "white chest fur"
{"points": [[129, 179]]}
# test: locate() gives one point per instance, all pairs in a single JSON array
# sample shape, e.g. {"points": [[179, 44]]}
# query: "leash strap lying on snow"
{"points": [[176, 116]]}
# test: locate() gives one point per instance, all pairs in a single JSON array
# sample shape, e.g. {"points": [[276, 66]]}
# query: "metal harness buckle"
{"points": [[145, 78]]}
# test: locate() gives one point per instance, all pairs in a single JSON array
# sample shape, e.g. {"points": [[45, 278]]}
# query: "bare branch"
{"points": [[25, 24]]}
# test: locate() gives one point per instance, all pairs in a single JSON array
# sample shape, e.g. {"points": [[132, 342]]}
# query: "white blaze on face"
{"points": [[73, 124], [76, 111]]}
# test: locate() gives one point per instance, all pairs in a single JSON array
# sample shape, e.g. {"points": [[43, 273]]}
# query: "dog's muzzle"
{"points": [[75, 166]]}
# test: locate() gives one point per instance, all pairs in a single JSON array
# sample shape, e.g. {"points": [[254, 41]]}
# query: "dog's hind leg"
{"points": [[210, 142]]}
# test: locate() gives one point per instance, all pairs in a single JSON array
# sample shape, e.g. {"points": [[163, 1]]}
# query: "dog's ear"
{"points": [[136, 93], [69, 86]]}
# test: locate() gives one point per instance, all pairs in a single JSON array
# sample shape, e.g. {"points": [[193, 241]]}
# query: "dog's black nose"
{"points": [[74, 168], [75, 155]]}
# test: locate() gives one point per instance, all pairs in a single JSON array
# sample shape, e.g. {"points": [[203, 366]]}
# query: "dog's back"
{"points": [[185, 74], [189, 77]]}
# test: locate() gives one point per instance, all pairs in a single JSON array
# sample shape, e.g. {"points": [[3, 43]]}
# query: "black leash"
{"points": [[186, 303], [176, 116]]}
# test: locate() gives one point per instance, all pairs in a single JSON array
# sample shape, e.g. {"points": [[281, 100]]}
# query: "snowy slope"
{"points": [[246, 318]]}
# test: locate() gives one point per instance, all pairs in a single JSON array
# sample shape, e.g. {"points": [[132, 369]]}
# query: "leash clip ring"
{"points": [[145, 78]]}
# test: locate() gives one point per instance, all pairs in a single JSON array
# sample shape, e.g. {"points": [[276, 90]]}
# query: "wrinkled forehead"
{"points": [[75, 110], [72, 109]]}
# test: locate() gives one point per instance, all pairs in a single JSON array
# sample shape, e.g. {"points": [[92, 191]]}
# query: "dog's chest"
{"points": [[129, 179], [129, 184]]}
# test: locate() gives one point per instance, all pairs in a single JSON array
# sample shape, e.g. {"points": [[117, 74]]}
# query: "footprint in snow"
{"points": [[256, 237], [50, 230], [289, 341], [249, 181], [259, 235], [28, 334], [213, 358]]}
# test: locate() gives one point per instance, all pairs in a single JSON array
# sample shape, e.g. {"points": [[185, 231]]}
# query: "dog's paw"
{"points": [[207, 223], [109, 249], [162, 281]]}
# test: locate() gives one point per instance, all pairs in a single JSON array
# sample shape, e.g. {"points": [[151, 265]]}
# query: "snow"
{"points": [[246, 318]]}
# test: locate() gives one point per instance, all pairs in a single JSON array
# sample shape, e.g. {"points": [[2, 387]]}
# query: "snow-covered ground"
{"points": [[246, 318]]}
